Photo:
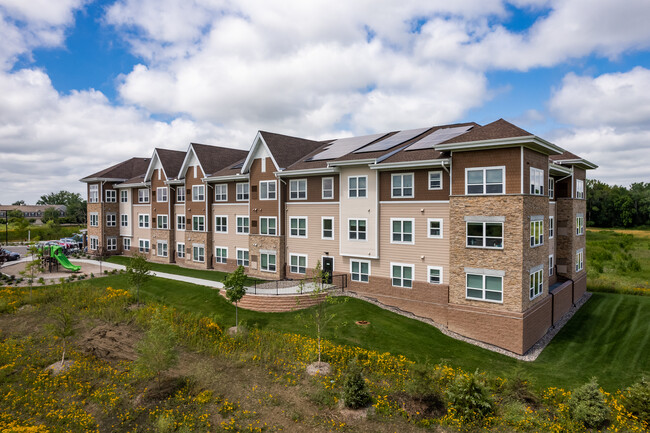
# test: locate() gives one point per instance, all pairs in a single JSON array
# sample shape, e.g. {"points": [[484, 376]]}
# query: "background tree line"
{"points": [[75, 208], [618, 206]]}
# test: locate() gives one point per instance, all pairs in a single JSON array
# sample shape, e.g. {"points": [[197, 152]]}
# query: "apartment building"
{"points": [[479, 228]]}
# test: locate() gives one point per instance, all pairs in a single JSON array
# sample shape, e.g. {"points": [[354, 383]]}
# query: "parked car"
{"points": [[9, 256]]}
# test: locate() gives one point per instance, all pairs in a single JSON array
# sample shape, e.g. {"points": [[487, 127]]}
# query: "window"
{"points": [[435, 180], [111, 220], [551, 227], [359, 270], [94, 242], [488, 180], [328, 228], [357, 186], [536, 181], [93, 194], [401, 231], [268, 226], [242, 191], [402, 185], [143, 195], [111, 196], [435, 274], [221, 192], [402, 275], [267, 261], [180, 195], [198, 193], [298, 189], [485, 234], [143, 220], [221, 224], [536, 233], [180, 250], [124, 220], [536, 282], [242, 258], [551, 188], [580, 224], [161, 195], [220, 254], [328, 188], [435, 228], [298, 226], [242, 225], [198, 253], [126, 242], [111, 244], [579, 260], [298, 264], [94, 220], [162, 248], [484, 287], [551, 265], [580, 189], [357, 229], [267, 190], [198, 223], [162, 222], [143, 245], [180, 222]]}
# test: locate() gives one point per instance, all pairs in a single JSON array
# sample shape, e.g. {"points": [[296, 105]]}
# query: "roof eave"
{"points": [[133, 185], [530, 141], [352, 162], [307, 172], [580, 163], [230, 177], [558, 169], [101, 179], [410, 164]]}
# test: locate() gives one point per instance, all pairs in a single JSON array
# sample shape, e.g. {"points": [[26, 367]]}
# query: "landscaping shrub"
{"points": [[470, 398], [587, 405], [637, 400], [518, 389], [355, 390]]}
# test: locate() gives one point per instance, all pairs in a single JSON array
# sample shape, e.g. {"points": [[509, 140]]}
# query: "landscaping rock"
{"points": [[319, 368], [59, 367]]}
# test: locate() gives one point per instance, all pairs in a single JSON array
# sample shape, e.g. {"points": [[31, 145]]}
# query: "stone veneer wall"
{"points": [[567, 242], [534, 256], [272, 243], [197, 238]]}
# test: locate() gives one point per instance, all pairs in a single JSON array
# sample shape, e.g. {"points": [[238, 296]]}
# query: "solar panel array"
{"points": [[392, 141], [439, 136], [343, 146]]}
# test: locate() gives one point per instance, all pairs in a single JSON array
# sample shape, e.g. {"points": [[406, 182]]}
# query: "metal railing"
{"points": [[291, 286]]}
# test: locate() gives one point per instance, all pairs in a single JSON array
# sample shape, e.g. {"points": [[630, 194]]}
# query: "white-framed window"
{"points": [[124, 220], [357, 186], [221, 192], [162, 222], [243, 225], [551, 227], [94, 219], [268, 226], [328, 228], [144, 245], [551, 265], [298, 189], [402, 275], [111, 196], [580, 257], [221, 254], [198, 223], [180, 250], [162, 249], [180, 194], [94, 242], [126, 244], [124, 196], [143, 195], [580, 188], [93, 194], [536, 282], [111, 220], [221, 224], [401, 185], [551, 188], [536, 232], [111, 244], [485, 180], [327, 188], [198, 192], [180, 222], [198, 253], [268, 261], [242, 257], [242, 191], [298, 227], [268, 190], [434, 228], [485, 235], [143, 220], [580, 224], [484, 286], [357, 229], [161, 195], [536, 181], [401, 231], [360, 270], [298, 263], [435, 179], [435, 274]]}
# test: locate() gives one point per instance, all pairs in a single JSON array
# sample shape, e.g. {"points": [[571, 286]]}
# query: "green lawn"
{"points": [[608, 338]]}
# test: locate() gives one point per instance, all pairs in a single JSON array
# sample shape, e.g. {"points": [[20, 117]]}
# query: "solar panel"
{"points": [[343, 146], [239, 165], [439, 136], [393, 140]]}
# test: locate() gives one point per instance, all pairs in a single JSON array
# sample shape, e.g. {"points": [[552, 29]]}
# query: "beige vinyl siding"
{"points": [[551, 242], [230, 240], [179, 209], [313, 246], [359, 208], [140, 233], [126, 209]]}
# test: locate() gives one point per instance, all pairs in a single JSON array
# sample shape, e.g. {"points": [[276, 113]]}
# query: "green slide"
{"points": [[57, 252]]}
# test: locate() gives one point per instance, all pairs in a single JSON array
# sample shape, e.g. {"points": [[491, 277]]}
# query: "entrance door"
{"points": [[328, 267]]}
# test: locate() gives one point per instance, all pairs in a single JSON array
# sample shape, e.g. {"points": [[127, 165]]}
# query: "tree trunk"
{"points": [[318, 328], [236, 316], [63, 357]]}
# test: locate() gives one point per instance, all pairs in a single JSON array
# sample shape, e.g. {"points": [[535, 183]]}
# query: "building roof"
{"points": [[496, 130], [122, 170], [566, 155], [216, 158], [33, 208], [287, 150], [171, 160]]}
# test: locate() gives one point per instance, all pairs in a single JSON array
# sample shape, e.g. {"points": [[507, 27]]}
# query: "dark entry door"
{"points": [[328, 268]]}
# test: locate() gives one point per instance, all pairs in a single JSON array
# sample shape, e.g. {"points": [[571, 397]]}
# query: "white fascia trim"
{"points": [[175, 182], [410, 164], [307, 172], [101, 179], [358, 256], [234, 177], [519, 141], [583, 162], [149, 172], [186, 161], [366, 161], [559, 168], [133, 185], [249, 158]]}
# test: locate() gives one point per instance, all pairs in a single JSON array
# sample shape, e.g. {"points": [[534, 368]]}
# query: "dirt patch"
{"points": [[424, 406], [111, 342], [53, 277], [59, 367]]}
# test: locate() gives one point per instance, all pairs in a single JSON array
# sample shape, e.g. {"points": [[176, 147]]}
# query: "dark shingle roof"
{"points": [[171, 161], [123, 170], [564, 156], [216, 158], [492, 131], [287, 150]]}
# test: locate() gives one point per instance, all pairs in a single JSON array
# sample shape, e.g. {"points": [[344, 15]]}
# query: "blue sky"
{"points": [[88, 84]]}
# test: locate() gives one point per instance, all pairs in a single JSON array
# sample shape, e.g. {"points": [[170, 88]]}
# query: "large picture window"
{"points": [[401, 231], [536, 282], [268, 226], [485, 234], [485, 180], [221, 224], [402, 185], [198, 193], [267, 261], [242, 191], [402, 275], [180, 194], [580, 224], [298, 189], [221, 192], [298, 227], [580, 258], [536, 181], [143, 220], [357, 229], [220, 254], [93, 194], [359, 270], [536, 233], [198, 223], [111, 220], [180, 222], [298, 263], [162, 222], [357, 186], [111, 196], [242, 258], [267, 190], [484, 287], [242, 225], [198, 253], [161, 195], [143, 195], [580, 188]]}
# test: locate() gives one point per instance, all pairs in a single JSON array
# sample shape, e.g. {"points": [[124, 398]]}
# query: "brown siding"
{"points": [[421, 189], [510, 158], [536, 160], [315, 188], [266, 208], [562, 301]]}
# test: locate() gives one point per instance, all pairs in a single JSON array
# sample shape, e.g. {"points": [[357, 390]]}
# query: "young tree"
{"points": [[235, 290], [138, 272], [157, 350], [34, 267], [63, 326], [320, 314]]}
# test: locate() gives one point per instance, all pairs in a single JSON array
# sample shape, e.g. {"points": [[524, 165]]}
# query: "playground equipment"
{"points": [[53, 256]]}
